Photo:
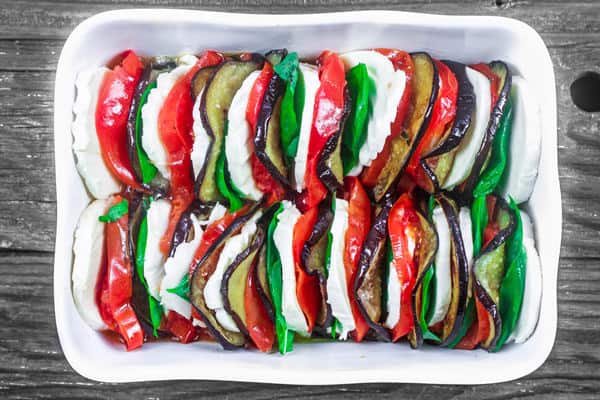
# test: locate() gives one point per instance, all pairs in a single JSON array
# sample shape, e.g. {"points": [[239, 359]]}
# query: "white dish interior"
{"points": [[155, 32]]}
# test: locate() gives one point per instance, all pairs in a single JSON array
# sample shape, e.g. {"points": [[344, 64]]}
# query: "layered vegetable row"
{"points": [[254, 199]]}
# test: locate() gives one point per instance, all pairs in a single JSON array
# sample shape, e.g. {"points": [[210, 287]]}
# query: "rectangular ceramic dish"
{"points": [[155, 32]]}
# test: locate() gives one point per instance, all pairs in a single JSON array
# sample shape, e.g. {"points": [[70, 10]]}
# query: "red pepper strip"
{"points": [[260, 327], [181, 327], [307, 286], [175, 130], [494, 80], [264, 180], [112, 109], [328, 110], [404, 225], [443, 114], [359, 222], [402, 61], [116, 293]]}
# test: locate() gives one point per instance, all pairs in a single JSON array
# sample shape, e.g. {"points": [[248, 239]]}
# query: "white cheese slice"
{"points": [[393, 299], [389, 88], [212, 291], [151, 141], [337, 286], [238, 142], [201, 138], [282, 237], [443, 278], [470, 144], [88, 254], [176, 268], [154, 260], [525, 143], [532, 297], [90, 164], [310, 75], [466, 231]]}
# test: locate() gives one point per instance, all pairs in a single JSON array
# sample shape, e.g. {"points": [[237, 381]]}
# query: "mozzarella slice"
{"points": [[176, 268], [96, 175], [389, 88], [201, 138], [466, 231], [337, 285], [88, 254], [238, 142], [283, 238], [470, 144], [393, 299], [443, 278], [310, 74], [150, 111], [154, 260], [532, 297], [212, 291], [525, 143]]}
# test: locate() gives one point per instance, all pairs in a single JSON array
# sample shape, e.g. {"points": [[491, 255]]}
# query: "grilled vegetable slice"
{"points": [[215, 102], [200, 80], [204, 268]]}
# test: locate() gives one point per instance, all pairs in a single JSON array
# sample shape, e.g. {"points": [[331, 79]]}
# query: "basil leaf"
{"points": [[479, 220], [290, 117], [336, 326], [285, 337], [512, 287], [361, 89], [147, 168], [115, 212], [287, 69], [223, 180], [492, 175], [183, 288]]}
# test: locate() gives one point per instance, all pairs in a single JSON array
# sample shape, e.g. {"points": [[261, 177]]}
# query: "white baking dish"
{"points": [[153, 32]]}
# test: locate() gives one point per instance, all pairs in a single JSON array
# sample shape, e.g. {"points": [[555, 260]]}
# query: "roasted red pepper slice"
{"points": [[175, 130], [404, 230], [112, 109], [494, 80], [307, 286], [264, 180], [402, 61], [328, 111], [444, 111], [181, 327], [117, 286], [359, 223], [260, 327]]}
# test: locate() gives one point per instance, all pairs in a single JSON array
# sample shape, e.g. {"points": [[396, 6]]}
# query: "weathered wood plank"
{"points": [[33, 363]]}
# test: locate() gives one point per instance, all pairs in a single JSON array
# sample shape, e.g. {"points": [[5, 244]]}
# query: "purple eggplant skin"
{"points": [[465, 106], [329, 164], [260, 271], [273, 94], [502, 70], [184, 225], [240, 265], [482, 295], [312, 261], [202, 271], [377, 193], [460, 272], [370, 269]]}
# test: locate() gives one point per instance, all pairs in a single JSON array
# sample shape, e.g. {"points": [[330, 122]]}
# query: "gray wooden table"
{"points": [[32, 34]]}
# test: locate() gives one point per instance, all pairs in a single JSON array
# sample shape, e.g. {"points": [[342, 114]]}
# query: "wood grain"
{"points": [[31, 36]]}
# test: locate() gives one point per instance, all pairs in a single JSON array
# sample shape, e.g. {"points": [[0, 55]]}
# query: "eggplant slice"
{"points": [[489, 267], [267, 140], [501, 70], [425, 255], [185, 224], [203, 270], [312, 260], [200, 79], [214, 105], [425, 87], [368, 285], [438, 162], [459, 272]]}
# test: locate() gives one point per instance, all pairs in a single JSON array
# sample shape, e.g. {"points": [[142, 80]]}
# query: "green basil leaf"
{"points": [[512, 287], [287, 69], [290, 117], [336, 326], [147, 168], [492, 175], [224, 182], [361, 88], [115, 212], [183, 288], [479, 220], [285, 337]]}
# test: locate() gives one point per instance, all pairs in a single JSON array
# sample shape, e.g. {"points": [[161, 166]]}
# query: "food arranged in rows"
{"points": [[257, 199]]}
